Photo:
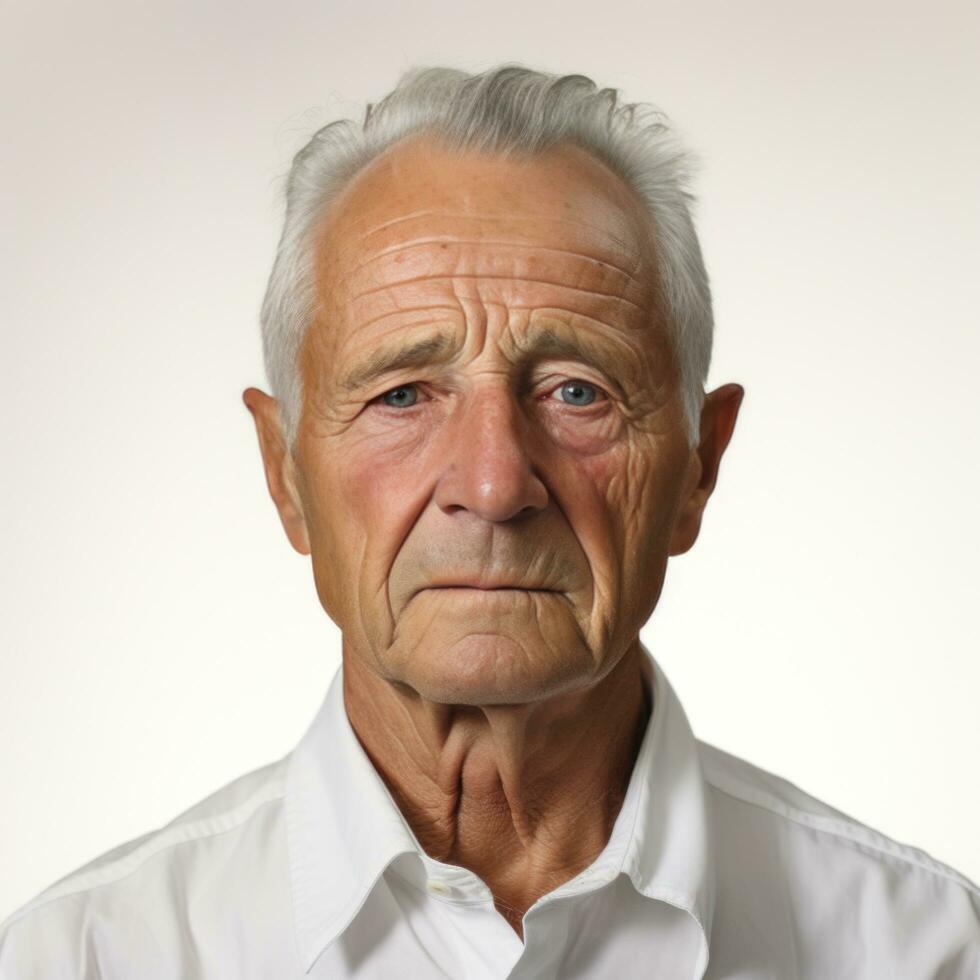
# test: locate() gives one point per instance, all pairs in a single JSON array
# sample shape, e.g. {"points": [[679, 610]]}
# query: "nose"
{"points": [[487, 468]]}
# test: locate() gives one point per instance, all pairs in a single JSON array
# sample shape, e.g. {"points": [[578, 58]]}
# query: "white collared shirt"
{"points": [[306, 867]]}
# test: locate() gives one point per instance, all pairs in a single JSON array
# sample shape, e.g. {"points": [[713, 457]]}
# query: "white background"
{"points": [[158, 635]]}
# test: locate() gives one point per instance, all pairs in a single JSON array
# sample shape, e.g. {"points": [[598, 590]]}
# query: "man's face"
{"points": [[489, 519]]}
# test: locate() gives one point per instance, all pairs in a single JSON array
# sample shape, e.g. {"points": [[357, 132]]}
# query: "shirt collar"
{"points": [[344, 828], [669, 854]]}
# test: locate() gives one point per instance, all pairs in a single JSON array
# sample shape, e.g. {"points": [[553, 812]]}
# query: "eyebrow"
{"points": [[439, 349], [435, 348]]}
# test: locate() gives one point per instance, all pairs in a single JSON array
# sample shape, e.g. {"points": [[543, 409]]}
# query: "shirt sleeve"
{"points": [[45, 944], [962, 959]]}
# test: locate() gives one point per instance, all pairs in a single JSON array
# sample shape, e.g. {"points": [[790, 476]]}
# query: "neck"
{"points": [[525, 796]]}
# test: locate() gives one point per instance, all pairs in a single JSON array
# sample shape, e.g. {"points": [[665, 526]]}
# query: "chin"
{"points": [[496, 647], [494, 668]]}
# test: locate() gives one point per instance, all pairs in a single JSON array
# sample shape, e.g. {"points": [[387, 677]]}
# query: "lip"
{"points": [[486, 586], [482, 587]]}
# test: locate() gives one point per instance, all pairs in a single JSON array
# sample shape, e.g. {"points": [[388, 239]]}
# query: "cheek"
{"points": [[345, 517], [639, 484], [379, 488], [376, 471]]}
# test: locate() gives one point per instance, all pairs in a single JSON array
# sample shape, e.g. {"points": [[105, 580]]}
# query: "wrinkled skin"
{"points": [[553, 482]]}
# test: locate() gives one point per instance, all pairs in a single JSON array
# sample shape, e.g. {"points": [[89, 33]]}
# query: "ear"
{"points": [[717, 424], [280, 472]]}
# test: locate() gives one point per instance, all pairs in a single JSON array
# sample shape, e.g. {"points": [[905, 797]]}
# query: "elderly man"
{"points": [[487, 330]]}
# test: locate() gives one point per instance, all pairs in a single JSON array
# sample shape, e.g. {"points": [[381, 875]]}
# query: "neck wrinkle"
{"points": [[523, 796]]}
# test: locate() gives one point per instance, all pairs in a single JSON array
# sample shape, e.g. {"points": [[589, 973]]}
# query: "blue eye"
{"points": [[395, 399], [574, 392], [578, 390]]}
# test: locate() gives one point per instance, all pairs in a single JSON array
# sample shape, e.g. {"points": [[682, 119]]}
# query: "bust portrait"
{"points": [[502, 442], [487, 332]]}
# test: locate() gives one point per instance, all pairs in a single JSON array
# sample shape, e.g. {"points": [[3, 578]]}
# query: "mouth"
{"points": [[467, 593], [489, 588], [466, 587]]}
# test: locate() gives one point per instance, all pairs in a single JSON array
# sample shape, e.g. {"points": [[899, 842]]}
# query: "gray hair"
{"points": [[507, 109]]}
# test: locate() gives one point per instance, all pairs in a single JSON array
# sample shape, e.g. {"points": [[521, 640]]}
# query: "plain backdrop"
{"points": [[159, 636]]}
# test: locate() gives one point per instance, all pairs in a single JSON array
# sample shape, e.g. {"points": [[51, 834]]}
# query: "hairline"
{"points": [[666, 208]]}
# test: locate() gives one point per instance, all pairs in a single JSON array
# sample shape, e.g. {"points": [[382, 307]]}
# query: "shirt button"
{"points": [[438, 887]]}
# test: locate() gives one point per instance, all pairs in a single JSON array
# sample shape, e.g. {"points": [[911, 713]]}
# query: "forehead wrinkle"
{"points": [[506, 217], [405, 309], [448, 293], [471, 256], [372, 298], [530, 246], [478, 276]]}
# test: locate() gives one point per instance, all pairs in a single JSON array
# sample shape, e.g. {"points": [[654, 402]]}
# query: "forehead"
{"points": [[423, 229], [564, 195]]}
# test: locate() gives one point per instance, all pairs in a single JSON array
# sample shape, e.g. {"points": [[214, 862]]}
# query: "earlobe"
{"points": [[718, 417], [293, 516], [279, 467], [688, 521]]}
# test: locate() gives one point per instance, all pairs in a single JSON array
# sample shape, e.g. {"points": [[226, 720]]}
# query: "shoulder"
{"points": [[138, 884], [783, 852]]}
